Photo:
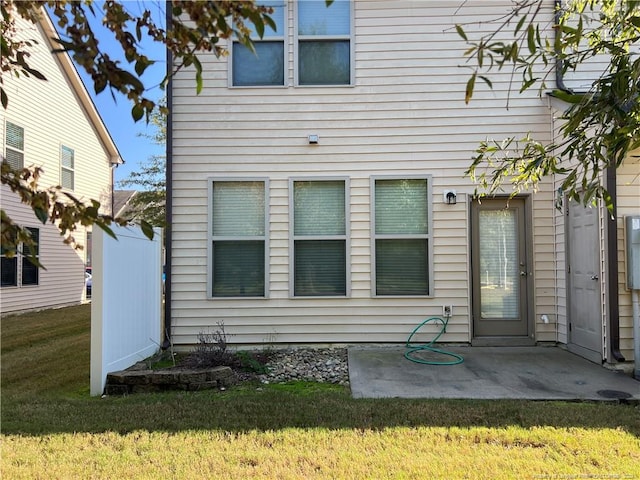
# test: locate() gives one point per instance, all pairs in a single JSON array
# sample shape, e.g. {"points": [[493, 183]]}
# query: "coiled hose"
{"points": [[412, 349]]}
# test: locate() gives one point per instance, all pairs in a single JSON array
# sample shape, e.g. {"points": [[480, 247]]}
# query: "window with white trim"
{"points": [[8, 266], [19, 268], [67, 167], [319, 238], [324, 43], [265, 66], [401, 236], [30, 256], [14, 145], [238, 238]]}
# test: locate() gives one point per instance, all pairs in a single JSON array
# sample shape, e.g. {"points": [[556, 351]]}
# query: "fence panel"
{"points": [[126, 301]]}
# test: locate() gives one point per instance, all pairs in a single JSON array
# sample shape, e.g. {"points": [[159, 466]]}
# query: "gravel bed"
{"points": [[327, 365]]}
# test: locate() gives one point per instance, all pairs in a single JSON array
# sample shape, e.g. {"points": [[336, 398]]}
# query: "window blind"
{"points": [[319, 208], [238, 243], [238, 209], [401, 236], [319, 238], [401, 206]]}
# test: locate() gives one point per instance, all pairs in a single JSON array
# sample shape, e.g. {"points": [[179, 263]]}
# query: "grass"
{"points": [[51, 428]]}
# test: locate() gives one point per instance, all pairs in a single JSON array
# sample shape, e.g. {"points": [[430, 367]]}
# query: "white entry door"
{"points": [[583, 275]]}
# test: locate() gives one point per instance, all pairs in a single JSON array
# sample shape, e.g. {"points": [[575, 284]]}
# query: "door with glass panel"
{"points": [[500, 268]]}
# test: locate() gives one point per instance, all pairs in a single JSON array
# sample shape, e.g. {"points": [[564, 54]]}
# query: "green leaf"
{"points": [[269, 21], [531, 39], [198, 67], [567, 97], [100, 84], [519, 26], [259, 24], [34, 72], [5, 99], [41, 214], [137, 112], [486, 80], [460, 31], [527, 84], [142, 64], [469, 90], [147, 229], [131, 80], [106, 229]]}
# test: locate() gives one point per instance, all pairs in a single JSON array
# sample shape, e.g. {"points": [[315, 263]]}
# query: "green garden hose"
{"points": [[412, 349]]}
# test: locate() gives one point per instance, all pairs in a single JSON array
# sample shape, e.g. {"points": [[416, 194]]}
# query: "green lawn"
{"points": [[51, 428]]}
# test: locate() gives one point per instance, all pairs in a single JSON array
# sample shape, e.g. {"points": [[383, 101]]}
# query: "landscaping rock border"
{"points": [[326, 365], [146, 381]]}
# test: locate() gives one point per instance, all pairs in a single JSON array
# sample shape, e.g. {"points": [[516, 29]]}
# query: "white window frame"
{"points": [[72, 170], [429, 236], [19, 260], [10, 147], [17, 269], [350, 37], [281, 37], [25, 258], [211, 238], [346, 237]]}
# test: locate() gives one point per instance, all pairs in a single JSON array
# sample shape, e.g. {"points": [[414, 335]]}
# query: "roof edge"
{"points": [[115, 158]]}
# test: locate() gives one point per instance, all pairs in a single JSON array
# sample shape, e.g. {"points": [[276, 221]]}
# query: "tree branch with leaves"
{"points": [[601, 125], [195, 27]]}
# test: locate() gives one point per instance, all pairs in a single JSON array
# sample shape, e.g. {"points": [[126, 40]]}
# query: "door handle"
{"points": [[523, 274], [594, 277]]}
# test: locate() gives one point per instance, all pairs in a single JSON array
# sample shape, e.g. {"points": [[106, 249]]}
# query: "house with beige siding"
{"points": [[317, 193], [54, 125]]}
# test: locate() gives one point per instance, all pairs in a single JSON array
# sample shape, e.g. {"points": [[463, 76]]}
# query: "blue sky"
{"points": [[116, 114]]}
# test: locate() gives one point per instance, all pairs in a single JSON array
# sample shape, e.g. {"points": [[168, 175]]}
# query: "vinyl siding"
{"points": [[404, 116], [51, 115], [628, 203], [628, 176]]}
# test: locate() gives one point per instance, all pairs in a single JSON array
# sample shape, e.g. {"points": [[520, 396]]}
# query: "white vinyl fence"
{"points": [[126, 301]]}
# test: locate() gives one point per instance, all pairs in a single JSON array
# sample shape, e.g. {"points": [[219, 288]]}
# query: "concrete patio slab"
{"points": [[533, 373]]}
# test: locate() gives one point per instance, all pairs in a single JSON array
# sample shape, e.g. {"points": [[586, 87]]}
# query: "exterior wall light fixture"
{"points": [[450, 197]]}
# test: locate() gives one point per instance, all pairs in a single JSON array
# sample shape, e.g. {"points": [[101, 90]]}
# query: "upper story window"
{"points": [[67, 168], [319, 238], [324, 42], [402, 236], [322, 45], [238, 238], [265, 66], [14, 146]]}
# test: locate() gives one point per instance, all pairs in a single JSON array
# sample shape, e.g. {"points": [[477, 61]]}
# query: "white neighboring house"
{"points": [[317, 193], [52, 124]]}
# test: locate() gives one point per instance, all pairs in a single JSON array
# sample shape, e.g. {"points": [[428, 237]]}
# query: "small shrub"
{"points": [[167, 360], [211, 349], [249, 363]]}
